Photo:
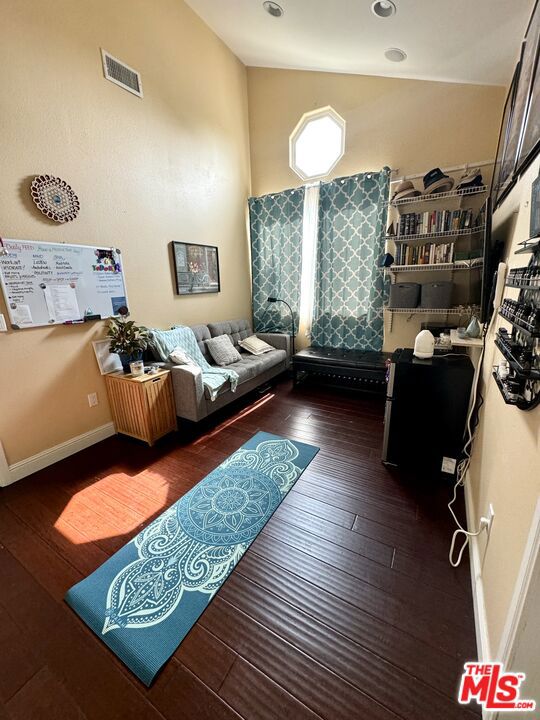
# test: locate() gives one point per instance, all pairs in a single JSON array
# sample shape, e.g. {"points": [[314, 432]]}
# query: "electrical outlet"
{"points": [[448, 465], [93, 399]]}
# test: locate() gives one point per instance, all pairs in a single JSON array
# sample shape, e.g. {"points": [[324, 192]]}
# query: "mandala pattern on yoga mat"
{"points": [[195, 544]]}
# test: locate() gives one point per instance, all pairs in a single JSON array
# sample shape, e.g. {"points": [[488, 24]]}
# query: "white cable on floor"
{"points": [[464, 464], [484, 523]]}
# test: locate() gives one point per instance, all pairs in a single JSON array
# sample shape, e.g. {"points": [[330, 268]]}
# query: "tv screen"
{"points": [[492, 256]]}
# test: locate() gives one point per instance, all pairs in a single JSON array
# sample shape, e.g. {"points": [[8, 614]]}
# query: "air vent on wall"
{"points": [[121, 74]]}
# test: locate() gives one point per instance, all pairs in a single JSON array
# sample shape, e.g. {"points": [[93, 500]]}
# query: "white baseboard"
{"points": [[479, 605], [11, 473], [480, 617], [523, 584], [4, 468]]}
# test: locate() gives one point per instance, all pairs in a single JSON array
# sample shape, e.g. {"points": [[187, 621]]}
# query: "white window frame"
{"points": [[306, 118]]}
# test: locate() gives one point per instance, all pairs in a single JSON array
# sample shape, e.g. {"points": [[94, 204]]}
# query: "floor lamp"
{"points": [[274, 300]]}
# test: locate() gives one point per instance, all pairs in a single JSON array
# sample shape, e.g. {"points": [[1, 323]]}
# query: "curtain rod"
{"points": [[466, 166], [400, 178]]}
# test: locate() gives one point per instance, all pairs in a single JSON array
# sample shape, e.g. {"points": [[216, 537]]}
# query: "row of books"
{"points": [[435, 221], [429, 254]]}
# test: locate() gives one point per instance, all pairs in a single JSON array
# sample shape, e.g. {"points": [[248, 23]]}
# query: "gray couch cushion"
{"points": [[269, 360], [202, 333], [251, 365], [235, 329], [245, 368]]}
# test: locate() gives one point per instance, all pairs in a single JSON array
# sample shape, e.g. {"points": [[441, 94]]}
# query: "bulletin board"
{"points": [[57, 283]]}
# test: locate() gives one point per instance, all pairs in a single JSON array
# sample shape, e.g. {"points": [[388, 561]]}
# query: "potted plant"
{"points": [[127, 339]]}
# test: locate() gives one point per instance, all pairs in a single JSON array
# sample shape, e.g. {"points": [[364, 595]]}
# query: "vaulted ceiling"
{"points": [[470, 41]]}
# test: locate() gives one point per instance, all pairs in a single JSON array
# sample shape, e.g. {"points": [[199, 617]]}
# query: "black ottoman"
{"points": [[362, 369]]}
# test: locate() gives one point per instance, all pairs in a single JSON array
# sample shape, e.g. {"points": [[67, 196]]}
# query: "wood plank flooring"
{"points": [[344, 607]]}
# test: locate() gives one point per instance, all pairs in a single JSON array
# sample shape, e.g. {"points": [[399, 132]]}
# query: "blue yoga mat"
{"points": [[145, 599]]}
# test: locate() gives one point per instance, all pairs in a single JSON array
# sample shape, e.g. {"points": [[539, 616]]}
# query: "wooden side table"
{"points": [[142, 406]]}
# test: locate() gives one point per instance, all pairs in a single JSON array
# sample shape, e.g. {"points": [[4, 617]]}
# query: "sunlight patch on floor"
{"points": [[83, 521]]}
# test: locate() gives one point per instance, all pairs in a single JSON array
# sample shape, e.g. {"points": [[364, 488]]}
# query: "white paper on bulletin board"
{"points": [[56, 283]]}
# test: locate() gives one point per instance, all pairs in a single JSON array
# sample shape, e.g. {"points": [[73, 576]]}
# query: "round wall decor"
{"points": [[55, 198]]}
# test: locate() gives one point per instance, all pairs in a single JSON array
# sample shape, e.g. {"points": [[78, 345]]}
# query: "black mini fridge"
{"points": [[426, 411]]}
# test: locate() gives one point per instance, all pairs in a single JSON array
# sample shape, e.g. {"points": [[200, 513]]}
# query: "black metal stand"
{"points": [[293, 334], [520, 347]]}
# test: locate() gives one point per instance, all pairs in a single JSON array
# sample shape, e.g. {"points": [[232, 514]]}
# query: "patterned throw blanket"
{"points": [[163, 342]]}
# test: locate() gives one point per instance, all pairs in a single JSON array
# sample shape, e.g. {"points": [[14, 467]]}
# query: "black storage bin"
{"points": [[404, 295], [436, 295]]}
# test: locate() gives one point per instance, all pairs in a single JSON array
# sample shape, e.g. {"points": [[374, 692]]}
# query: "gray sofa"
{"points": [[192, 400]]}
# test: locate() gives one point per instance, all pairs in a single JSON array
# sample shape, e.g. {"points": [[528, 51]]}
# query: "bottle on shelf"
{"points": [[521, 346]]}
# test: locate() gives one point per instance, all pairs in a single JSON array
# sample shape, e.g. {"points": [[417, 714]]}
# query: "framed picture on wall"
{"points": [[529, 52], [509, 156], [530, 139], [534, 223], [497, 180], [196, 268], [107, 361]]}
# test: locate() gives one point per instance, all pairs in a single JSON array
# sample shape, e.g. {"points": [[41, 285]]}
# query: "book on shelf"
{"points": [[434, 221], [428, 254]]}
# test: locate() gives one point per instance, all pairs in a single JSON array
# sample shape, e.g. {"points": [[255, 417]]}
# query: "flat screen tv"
{"points": [[492, 254]]}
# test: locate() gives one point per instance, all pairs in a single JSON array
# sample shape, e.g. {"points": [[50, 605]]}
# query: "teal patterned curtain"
{"points": [[350, 289], [276, 257]]}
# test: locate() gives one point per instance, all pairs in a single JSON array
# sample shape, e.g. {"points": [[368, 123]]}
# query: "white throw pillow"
{"points": [[255, 345], [179, 357], [222, 350]]}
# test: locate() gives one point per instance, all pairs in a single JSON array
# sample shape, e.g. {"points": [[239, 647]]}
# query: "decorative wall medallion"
{"points": [[55, 198]]}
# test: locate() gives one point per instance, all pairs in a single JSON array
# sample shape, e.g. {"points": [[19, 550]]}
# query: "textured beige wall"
{"points": [[409, 125], [505, 469], [172, 166]]}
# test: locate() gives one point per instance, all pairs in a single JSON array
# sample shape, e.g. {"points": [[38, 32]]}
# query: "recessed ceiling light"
{"points": [[383, 8], [273, 8], [395, 55]]}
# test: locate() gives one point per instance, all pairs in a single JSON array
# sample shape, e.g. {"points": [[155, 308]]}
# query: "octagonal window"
{"points": [[317, 143]]}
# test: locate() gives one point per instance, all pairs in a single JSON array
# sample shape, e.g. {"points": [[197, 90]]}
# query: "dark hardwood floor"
{"points": [[344, 607]]}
